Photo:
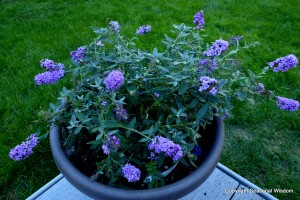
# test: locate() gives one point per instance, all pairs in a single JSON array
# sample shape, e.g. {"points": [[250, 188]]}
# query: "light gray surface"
{"points": [[242, 192], [63, 190], [222, 184], [214, 187]]}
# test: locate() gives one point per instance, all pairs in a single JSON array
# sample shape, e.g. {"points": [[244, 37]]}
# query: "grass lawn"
{"points": [[262, 142]]}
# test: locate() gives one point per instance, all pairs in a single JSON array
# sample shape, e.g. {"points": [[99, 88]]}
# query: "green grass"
{"points": [[262, 142]]}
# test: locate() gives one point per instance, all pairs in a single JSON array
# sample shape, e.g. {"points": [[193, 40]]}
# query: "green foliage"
{"points": [[32, 30], [160, 92]]}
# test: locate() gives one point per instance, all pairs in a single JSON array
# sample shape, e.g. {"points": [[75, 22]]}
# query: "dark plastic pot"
{"points": [[212, 145]]}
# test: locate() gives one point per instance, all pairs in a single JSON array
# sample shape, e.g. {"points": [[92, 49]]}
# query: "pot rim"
{"points": [[183, 186]]}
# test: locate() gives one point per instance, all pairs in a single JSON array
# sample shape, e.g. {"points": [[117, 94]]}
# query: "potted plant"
{"points": [[147, 125]]}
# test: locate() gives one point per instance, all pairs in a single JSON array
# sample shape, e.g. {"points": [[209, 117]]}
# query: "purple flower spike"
{"points": [[114, 80], [99, 43], [112, 143], [235, 39], [131, 173], [287, 104], [208, 83], [164, 145], [260, 88], [217, 48], [143, 30], [208, 64], [115, 26], [78, 54], [121, 113], [284, 63], [24, 150], [49, 77], [199, 20], [49, 65], [197, 151]]}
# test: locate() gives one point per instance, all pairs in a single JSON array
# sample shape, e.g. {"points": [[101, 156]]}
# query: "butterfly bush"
{"points": [[284, 63], [55, 71], [131, 173], [143, 30], [199, 20], [142, 112], [287, 104], [24, 150]]}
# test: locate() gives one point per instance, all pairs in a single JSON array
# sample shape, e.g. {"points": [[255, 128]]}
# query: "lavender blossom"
{"points": [[115, 26], [163, 145], [208, 64], [78, 54], [260, 88], [284, 63], [199, 20], [112, 143], [24, 150], [213, 91], [99, 43], [104, 103], [143, 30], [208, 83], [105, 149], [49, 77], [197, 151], [217, 48], [156, 95], [131, 173], [235, 39], [121, 113], [114, 80], [287, 104], [49, 65]]}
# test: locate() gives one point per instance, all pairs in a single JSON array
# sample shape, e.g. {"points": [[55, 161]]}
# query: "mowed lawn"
{"points": [[262, 142]]}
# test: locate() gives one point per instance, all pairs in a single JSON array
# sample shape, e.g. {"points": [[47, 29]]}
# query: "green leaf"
{"points": [[165, 173], [182, 88], [132, 123], [144, 140], [80, 116], [163, 68], [160, 160], [202, 112], [174, 111]]}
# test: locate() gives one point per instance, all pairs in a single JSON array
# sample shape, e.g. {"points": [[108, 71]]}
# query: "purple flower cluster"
{"points": [[112, 143], [199, 20], [163, 145], [115, 26], [121, 113], [287, 104], [197, 151], [143, 30], [78, 54], [260, 88], [284, 63], [235, 39], [156, 95], [114, 80], [130, 172], [50, 65], [55, 71], [99, 43], [217, 48], [208, 64], [24, 150], [208, 83], [49, 77]]}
